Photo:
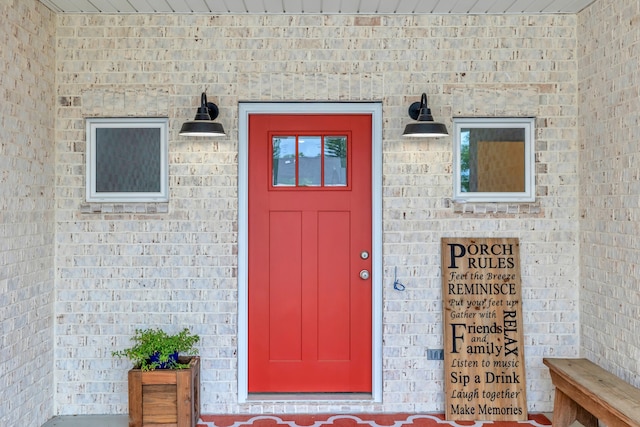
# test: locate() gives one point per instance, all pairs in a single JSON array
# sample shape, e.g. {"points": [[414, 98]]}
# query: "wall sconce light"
{"points": [[424, 127], [203, 124]]}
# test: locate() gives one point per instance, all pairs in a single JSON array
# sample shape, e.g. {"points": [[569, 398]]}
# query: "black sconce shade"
{"points": [[424, 126], [203, 124]]}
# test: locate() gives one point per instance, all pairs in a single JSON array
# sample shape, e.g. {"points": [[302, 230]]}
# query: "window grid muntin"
{"points": [[295, 156]]}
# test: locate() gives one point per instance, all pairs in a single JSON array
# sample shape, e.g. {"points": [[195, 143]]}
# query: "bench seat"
{"points": [[587, 393]]}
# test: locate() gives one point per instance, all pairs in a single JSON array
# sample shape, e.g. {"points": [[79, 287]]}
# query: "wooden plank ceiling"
{"points": [[319, 6]]}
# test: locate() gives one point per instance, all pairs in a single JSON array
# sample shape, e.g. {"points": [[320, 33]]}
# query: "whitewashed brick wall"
{"points": [[27, 221], [119, 271], [609, 83]]}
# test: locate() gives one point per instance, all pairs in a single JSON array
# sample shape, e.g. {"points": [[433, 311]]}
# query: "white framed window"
{"points": [[127, 160], [493, 159]]}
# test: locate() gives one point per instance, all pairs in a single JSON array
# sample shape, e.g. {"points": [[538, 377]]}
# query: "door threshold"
{"points": [[315, 397]]}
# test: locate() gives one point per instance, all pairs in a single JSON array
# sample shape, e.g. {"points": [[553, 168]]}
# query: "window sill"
{"points": [[497, 208], [124, 208]]}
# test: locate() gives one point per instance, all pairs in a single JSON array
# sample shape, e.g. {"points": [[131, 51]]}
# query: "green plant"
{"points": [[154, 349]]}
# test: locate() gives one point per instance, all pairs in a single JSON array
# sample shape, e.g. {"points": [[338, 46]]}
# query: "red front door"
{"points": [[309, 239]]}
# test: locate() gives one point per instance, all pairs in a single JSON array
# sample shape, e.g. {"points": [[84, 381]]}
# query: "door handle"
{"points": [[364, 274]]}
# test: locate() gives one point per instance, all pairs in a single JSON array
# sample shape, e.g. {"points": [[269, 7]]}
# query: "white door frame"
{"points": [[247, 108]]}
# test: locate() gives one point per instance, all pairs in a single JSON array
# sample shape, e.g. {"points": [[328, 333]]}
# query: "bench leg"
{"points": [[566, 411], [585, 418]]}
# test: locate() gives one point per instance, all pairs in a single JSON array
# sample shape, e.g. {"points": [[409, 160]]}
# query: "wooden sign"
{"points": [[483, 339]]}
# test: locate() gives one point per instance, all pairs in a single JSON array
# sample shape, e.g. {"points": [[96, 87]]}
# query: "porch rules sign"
{"points": [[483, 339]]}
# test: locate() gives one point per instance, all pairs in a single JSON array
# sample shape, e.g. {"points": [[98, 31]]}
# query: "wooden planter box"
{"points": [[164, 397]]}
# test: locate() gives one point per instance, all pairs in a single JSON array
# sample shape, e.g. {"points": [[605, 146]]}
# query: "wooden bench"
{"points": [[587, 393]]}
